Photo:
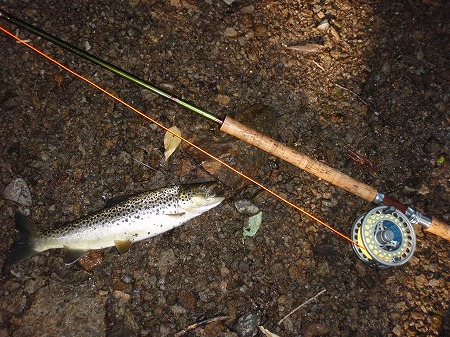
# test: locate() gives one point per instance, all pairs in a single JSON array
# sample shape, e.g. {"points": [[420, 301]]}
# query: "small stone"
{"points": [[245, 206], [17, 190], [243, 266], [248, 9], [91, 259], [186, 299], [127, 279], [324, 250], [260, 30], [229, 2], [421, 189], [431, 146], [33, 284], [247, 325], [134, 32], [324, 25], [316, 329], [230, 32], [223, 99], [177, 310], [329, 202], [118, 294]]}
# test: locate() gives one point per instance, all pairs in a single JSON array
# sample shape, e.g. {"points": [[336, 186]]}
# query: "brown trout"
{"points": [[137, 218]]}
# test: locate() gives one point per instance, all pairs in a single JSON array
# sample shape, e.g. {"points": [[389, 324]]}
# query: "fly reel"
{"points": [[385, 237]]}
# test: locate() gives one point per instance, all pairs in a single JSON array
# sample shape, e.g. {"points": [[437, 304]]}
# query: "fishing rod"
{"points": [[383, 237]]}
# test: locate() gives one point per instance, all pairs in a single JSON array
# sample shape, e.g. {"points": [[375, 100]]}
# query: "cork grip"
{"points": [[298, 159], [439, 228]]}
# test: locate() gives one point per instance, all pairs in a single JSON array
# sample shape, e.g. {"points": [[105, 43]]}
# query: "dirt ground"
{"points": [[378, 85]]}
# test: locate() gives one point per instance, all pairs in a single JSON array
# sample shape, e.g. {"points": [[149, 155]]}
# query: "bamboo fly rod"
{"points": [[253, 137]]}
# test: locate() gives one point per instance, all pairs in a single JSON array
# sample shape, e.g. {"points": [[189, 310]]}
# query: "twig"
{"points": [[354, 93], [138, 161], [148, 166], [357, 96], [300, 306], [201, 323], [318, 65], [366, 104]]}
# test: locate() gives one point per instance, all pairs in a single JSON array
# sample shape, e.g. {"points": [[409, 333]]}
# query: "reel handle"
{"points": [[439, 228]]}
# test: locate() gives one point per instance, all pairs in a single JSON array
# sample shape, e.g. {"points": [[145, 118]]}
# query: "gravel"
{"points": [[377, 86]]}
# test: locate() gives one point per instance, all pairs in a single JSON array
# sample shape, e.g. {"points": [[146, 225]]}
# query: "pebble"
{"points": [[324, 25], [91, 259], [245, 206], [316, 329], [118, 294], [186, 299], [324, 250], [247, 325], [230, 32], [87, 45], [431, 146], [17, 190], [329, 202], [223, 99], [33, 284], [260, 30]]}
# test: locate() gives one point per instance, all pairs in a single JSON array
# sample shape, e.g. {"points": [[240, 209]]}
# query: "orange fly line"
{"points": [[311, 216]]}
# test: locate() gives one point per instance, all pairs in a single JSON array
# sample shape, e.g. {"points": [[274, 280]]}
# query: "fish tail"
{"points": [[23, 246]]}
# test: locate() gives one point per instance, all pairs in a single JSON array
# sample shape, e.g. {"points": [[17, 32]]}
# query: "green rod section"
{"points": [[116, 70]]}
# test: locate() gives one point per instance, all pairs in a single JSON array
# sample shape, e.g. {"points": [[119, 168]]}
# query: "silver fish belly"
{"points": [[138, 218]]}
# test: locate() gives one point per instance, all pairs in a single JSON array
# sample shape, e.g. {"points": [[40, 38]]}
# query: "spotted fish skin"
{"points": [[138, 218]]}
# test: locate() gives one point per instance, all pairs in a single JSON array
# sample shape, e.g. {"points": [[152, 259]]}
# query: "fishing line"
{"points": [[311, 216]]}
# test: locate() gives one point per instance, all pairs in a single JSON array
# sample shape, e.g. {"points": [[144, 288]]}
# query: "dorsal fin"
{"points": [[116, 200]]}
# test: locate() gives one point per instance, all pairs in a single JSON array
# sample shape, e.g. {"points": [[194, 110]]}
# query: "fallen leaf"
{"points": [[252, 227], [171, 142]]}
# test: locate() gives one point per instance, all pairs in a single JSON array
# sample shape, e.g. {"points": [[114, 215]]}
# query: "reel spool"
{"points": [[386, 237]]}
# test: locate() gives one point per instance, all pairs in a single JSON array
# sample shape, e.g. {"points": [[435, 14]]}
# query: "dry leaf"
{"points": [[307, 48], [171, 142]]}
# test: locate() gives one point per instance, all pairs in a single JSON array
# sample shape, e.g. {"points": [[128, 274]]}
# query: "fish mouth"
{"points": [[207, 189], [205, 193]]}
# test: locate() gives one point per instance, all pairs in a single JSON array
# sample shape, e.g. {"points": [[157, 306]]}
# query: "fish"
{"points": [[134, 219]]}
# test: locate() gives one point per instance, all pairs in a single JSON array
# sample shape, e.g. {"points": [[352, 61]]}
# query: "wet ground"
{"points": [[378, 87]]}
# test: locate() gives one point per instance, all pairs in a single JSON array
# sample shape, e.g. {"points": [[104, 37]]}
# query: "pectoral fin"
{"points": [[122, 246], [72, 255]]}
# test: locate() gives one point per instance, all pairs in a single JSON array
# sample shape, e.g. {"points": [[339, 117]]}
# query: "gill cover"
{"points": [[198, 197]]}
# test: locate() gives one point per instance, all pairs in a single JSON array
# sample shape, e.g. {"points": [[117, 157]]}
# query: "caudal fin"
{"points": [[23, 246]]}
